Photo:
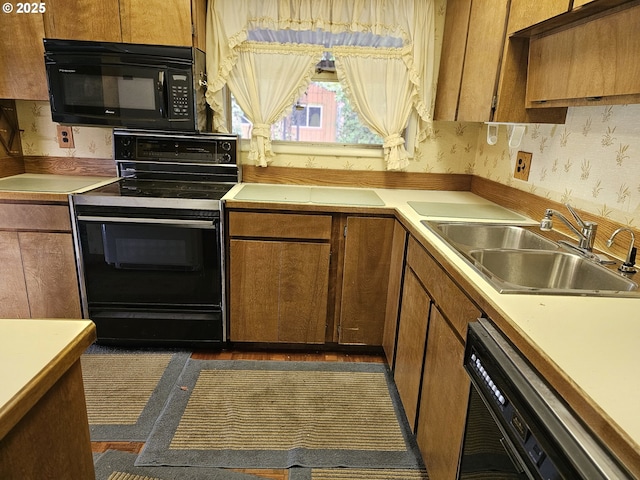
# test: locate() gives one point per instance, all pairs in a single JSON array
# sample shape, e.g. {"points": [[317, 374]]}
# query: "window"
{"points": [[321, 115]]}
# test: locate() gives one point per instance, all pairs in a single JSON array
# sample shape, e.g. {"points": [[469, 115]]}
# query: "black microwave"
{"points": [[128, 85]]}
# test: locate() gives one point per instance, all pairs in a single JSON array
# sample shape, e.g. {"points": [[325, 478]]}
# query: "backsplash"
{"points": [[590, 162], [39, 135]]}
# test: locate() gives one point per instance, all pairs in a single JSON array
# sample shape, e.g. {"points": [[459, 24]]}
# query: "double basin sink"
{"points": [[516, 259]]}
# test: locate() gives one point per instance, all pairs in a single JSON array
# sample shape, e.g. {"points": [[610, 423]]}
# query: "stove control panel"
{"points": [[174, 147]]}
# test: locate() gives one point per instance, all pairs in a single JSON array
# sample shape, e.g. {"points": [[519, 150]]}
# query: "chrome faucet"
{"points": [[586, 234], [629, 264]]}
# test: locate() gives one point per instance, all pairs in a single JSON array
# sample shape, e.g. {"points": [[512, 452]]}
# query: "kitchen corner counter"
{"points": [[586, 347], [43, 419]]}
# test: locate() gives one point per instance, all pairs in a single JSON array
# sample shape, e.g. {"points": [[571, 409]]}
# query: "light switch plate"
{"points": [[523, 166]]}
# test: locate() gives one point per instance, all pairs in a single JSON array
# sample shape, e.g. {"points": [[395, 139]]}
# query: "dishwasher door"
{"points": [[517, 426]]}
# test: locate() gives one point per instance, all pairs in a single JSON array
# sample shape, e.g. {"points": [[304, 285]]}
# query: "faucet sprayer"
{"points": [[629, 264]]}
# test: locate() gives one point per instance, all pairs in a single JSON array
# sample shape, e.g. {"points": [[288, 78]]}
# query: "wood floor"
{"points": [[270, 474]]}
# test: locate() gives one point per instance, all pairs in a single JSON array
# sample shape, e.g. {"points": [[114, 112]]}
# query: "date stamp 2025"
{"points": [[24, 7]]}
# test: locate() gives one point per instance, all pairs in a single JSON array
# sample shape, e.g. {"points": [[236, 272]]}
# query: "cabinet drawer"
{"points": [[17, 216], [279, 225], [452, 301]]}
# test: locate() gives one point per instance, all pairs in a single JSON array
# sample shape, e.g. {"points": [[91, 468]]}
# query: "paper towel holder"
{"points": [[515, 131]]}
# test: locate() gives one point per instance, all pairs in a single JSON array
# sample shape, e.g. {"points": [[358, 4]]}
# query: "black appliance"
{"points": [[149, 245], [126, 85], [517, 427]]}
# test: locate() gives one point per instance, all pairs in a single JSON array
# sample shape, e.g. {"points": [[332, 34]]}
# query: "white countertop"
{"points": [[595, 341], [47, 183], [29, 350]]}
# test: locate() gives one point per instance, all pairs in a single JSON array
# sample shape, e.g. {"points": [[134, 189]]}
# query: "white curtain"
{"points": [[381, 92], [266, 80], [396, 36]]}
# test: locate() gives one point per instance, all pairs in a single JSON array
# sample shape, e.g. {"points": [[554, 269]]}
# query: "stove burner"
{"points": [[173, 189], [194, 195]]}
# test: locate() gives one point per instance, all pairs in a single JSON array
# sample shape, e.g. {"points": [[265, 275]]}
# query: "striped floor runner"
{"points": [[243, 414], [118, 387]]}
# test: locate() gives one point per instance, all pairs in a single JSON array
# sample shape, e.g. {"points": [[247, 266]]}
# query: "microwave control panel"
{"points": [[179, 93]]}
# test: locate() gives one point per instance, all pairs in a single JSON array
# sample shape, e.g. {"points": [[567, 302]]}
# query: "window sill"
{"points": [[321, 149]]}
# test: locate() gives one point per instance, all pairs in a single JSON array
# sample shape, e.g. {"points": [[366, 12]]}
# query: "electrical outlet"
{"points": [[65, 137], [523, 166]]}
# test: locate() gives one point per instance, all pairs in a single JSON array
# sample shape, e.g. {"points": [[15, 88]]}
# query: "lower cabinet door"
{"points": [[412, 334], [38, 278], [278, 291], [367, 259], [50, 274], [13, 290], [444, 400]]}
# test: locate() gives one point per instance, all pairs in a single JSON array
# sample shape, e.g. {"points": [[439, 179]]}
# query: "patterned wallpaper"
{"points": [[40, 136], [592, 161]]}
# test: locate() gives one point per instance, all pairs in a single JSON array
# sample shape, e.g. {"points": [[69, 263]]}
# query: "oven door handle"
{"points": [[207, 224]]}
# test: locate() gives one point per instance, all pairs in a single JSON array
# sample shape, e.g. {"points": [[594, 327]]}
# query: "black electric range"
{"points": [[150, 245]]}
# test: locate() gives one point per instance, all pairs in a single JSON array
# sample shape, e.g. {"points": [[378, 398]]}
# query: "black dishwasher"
{"points": [[517, 427]]}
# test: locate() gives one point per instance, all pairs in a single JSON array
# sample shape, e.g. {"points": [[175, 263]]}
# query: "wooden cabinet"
{"points": [[278, 277], [83, 20], [308, 278], [580, 3], [162, 22], [410, 348], [524, 13], [394, 292], [568, 67], [483, 72], [365, 279], [428, 371], [444, 399], [39, 277], [22, 75]]}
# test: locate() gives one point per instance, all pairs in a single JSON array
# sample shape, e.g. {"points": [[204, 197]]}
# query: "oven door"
{"points": [[151, 280]]}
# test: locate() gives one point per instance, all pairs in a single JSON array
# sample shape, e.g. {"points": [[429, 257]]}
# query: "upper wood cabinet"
{"points": [[165, 22], [22, 74], [580, 3], [160, 22], [482, 76], [525, 13], [82, 20], [592, 62]]}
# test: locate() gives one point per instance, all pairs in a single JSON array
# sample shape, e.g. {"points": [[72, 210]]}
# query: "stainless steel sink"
{"points": [[482, 235], [515, 259], [549, 271]]}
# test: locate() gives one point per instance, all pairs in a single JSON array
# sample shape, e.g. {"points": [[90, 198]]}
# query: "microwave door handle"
{"points": [[206, 224], [164, 95]]}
